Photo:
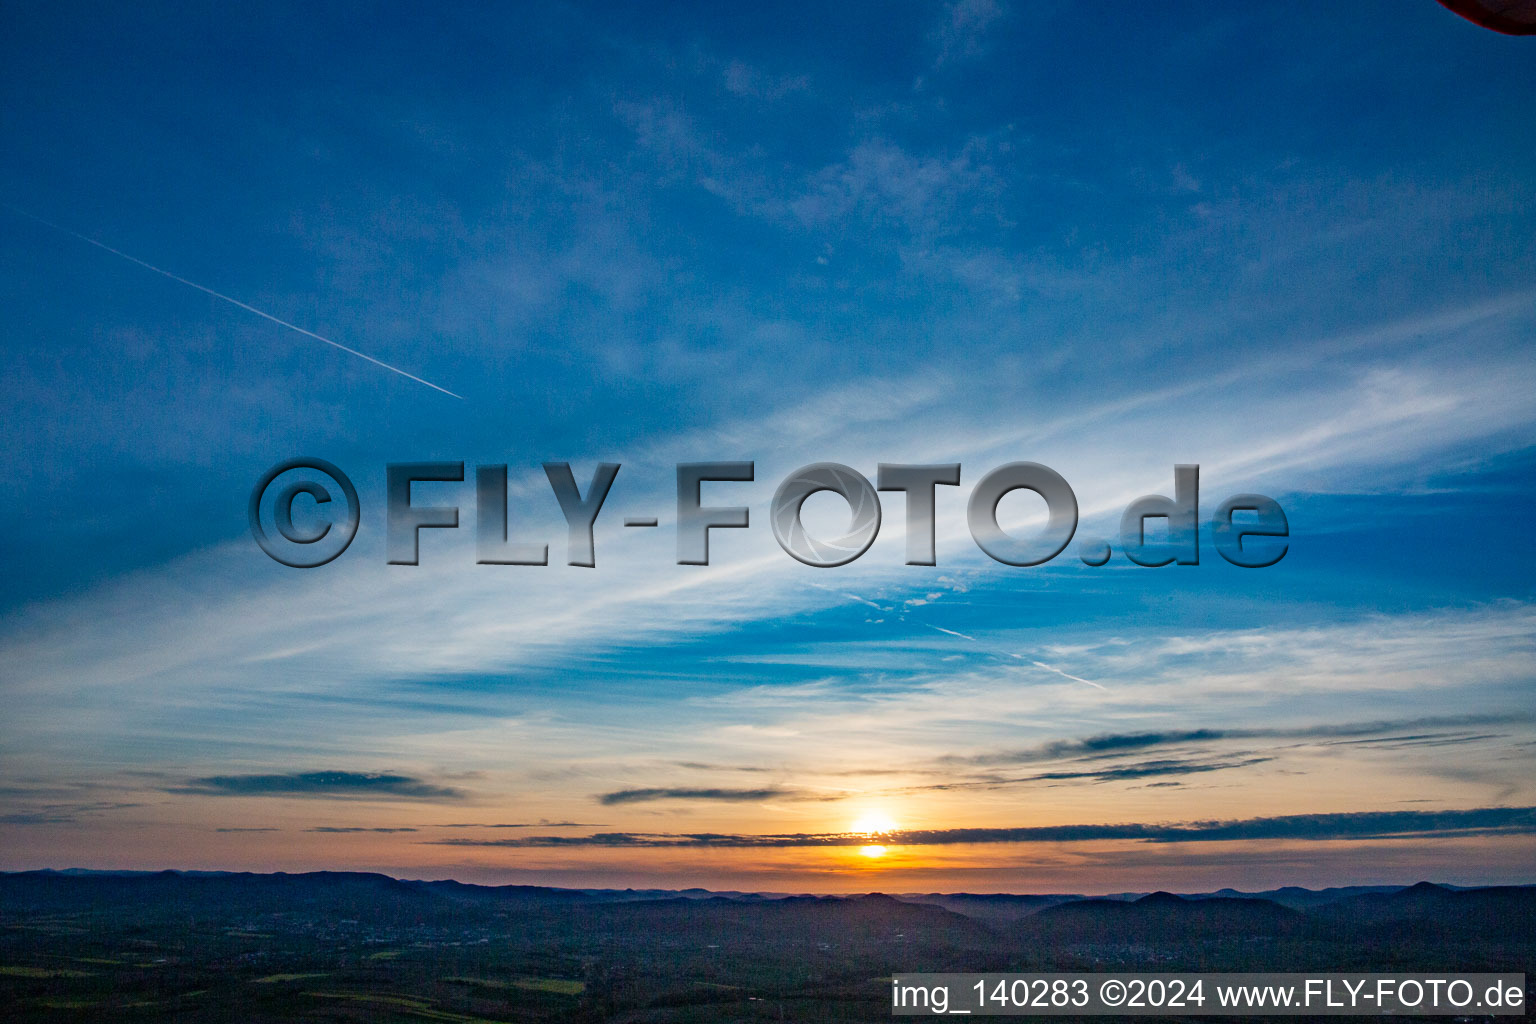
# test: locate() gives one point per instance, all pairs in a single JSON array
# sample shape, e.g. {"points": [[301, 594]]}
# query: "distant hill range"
{"points": [[1291, 896], [211, 947], [1160, 916]]}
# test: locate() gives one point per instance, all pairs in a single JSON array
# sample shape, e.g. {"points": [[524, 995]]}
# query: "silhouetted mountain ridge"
{"points": [[207, 948], [1370, 900], [1160, 916]]}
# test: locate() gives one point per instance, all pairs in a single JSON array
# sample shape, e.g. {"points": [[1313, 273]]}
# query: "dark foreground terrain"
{"points": [[359, 947]]}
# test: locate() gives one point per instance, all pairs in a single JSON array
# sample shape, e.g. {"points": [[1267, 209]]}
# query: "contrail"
{"points": [[1019, 657], [226, 298], [1075, 679], [852, 597]]}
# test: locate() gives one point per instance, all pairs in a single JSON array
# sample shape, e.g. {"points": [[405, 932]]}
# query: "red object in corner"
{"points": [[1512, 17]]}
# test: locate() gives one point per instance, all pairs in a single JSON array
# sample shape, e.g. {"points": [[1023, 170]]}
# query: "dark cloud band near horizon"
{"points": [[1483, 821], [636, 796], [320, 784], [1112, 744]]}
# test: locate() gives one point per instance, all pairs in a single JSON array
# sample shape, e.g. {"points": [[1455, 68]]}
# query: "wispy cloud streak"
{"points": [[637, 796], [320, 784]]}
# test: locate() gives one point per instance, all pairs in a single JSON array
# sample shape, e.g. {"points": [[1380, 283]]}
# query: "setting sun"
{"points": [[873, 824]]}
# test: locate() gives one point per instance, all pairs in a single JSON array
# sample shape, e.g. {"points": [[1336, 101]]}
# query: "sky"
{"points": [[1289, 244]]}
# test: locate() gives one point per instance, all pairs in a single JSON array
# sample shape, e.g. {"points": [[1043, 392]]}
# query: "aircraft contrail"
{"points": [[1019, 657], [941, 629], [226, 298], [1075, 679]]}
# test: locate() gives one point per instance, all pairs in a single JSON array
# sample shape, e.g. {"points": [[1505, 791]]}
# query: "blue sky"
{"points": [[1291, 245]]}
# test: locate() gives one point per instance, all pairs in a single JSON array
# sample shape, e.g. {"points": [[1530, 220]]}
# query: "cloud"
{"points": [[962, 35], [744, 80], [248, 633], [1110, 744], [1146, 769], [320, 784], [343, 829], [523, 824], [1511, 821], [261, 828], [36, 818], [1108, 773], [989, 291], [636, 796], [702, 767], [60, 814], [1442, 739], [888, 185]]}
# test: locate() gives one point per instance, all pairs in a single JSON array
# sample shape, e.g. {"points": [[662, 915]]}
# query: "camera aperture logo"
{"points": [[1247, 530]]}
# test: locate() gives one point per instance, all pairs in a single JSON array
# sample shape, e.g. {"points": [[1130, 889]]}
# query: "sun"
{"points": [[873, 824], [873, 827]]}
